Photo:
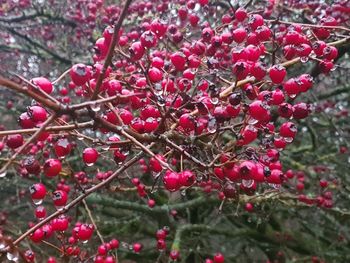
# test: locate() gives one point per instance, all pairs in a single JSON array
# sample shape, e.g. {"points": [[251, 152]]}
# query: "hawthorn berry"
{"points": [[52, 167]]}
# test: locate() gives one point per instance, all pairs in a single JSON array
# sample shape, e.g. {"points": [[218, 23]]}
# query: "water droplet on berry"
{"points": [[214, 101], [288, 139], [292, 96], [158, 91], [252, 121], [3, 174], [95, 107], [59, 208], [37, 201], [334, 68], [275, 186], [12, 256], [105, 147], [304, 59], [247, 183], [212, 125]]}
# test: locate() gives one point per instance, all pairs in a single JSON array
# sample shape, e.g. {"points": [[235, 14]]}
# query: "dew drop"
{"points": [[183, 192], [247, 183], [214, 100], [304, 59], [80, 138], [212, 127], [37, 201], [90, 164], [106, 147], [288, 139], [12, 256], [252, 121], [85, 241], [96, 107], [3, 174], [275, 186], [292, 96], [158, 91], [59, 208], [334, 68]]}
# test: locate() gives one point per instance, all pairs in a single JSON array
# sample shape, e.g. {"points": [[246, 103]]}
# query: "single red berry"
{"points": [[37, 113], [241, 14], [187, 122], [179, 60], [149, 39], [43, 83], [29, 255], [85, 232], [171, 181], [219, 258], [288, 129], [174, 254], [52, 167], [37, 236], [137, 247], [249, 207], [59, 198], [80, 74], [90, 156], [60, 223], [37, 191], [151, 203], [258, 110], [14, 141], [40, 212], [277, 74], [114, 243], [323, 183], [62, 147], [155, 74]]}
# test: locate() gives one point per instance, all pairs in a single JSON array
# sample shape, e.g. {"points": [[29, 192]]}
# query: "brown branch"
{"points": [[110, 53]]}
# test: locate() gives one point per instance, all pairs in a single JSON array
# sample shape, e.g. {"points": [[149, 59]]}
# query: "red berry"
{"points": [[249, 207], [241, 14], [14, 141], [187, 122], [179, 60], [60, 223], [148, 39], [114, 243], [62, 147], [288, 129], [219, 258], [137, 247], [85, 231], [44, 84], [52, 167], [59, 198], [90, 156], [155, 74], [171, 181], [80, 74], [40, 212], [37, 113], [277, 74], [37, 235], [258, 110], [37, 191]]}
